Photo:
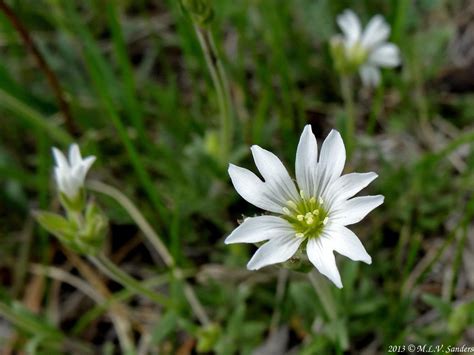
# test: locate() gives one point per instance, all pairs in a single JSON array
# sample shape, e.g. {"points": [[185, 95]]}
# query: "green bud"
{"points": [[84, 234], [207, 337], [96, 225], [459, 319], [211, 144], [200, 10]]}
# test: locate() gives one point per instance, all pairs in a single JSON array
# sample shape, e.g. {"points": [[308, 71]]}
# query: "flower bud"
{"points": [[207, 337], [70, 175], [84, 234]]}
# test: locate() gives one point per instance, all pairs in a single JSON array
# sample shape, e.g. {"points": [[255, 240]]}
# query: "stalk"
{"points": [[155, 240], [219, 79], [323, 291], [115, 273], [347, 95]]}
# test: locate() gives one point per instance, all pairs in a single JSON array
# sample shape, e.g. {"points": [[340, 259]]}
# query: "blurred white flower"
{"points": [[315, 217], [366, 50], [70, 174]]}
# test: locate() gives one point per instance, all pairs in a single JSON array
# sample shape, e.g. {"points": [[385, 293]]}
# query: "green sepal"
{"points": [[299, 262], [75, 204], [344, 62]]}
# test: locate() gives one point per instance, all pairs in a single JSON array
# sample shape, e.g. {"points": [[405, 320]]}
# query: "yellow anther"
{"points": [[300, 217], [316, 212], [312, 200], [325, 221], [299, 235], [292, 204], [320, 200], [309, 218], [286, 210], [302, 194]]}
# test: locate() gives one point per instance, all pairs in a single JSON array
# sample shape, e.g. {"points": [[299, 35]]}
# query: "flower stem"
{"points": [[154, 239], [221, 85], [324, 294], [347, 95], [320, 285], [115, 273], [121, 323]]}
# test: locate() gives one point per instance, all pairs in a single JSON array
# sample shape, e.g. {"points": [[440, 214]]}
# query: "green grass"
{"points": [[143, 99]]}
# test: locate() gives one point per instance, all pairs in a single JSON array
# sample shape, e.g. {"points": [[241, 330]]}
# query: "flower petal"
{"points": [[306, 161], [77, 175], [346, 186], [75, 157], [321, 255], [370, 75], [376, 32], [86, 165], [276, 250], [253, 190], [387, 55], [257, 229], [275, 174], [59, 176], [350, 26], [355, 209], [331, 160], [346, 243], [61, 161]]}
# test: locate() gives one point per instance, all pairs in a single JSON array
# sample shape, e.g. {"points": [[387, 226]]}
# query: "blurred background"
{"points": [[128, 81]]}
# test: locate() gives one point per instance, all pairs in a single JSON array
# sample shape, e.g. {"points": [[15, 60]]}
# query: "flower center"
{"points": [[308, 217], [356, 54]]}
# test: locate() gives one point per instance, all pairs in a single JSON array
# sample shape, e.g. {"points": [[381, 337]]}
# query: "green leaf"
{"points": [[54, 223], [208, 337], [443, 307], [164, 327]]}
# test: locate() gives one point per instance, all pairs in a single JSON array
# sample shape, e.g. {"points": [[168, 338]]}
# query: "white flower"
{"points": [[315, 216], [70, 174], [367, 49]]}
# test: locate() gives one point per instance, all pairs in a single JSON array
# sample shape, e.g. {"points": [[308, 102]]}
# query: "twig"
{"points": [[44, 66]]}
